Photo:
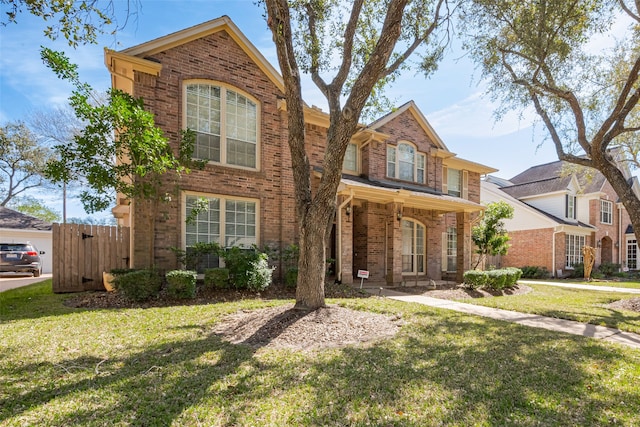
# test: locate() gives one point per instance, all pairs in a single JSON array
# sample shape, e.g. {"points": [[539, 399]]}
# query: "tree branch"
{"points": [[633, 15], [347, 51], [315, 50]]}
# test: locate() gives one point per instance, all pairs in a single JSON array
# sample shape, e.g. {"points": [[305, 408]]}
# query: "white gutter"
{"points": [[339, 235]]}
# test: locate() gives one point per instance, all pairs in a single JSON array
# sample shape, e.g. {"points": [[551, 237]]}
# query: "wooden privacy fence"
{"points": [[81, 253]]}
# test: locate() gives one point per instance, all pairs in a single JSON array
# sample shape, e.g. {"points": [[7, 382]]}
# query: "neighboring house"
{"points": [[558, 209], [405, 202], [16, 227]]}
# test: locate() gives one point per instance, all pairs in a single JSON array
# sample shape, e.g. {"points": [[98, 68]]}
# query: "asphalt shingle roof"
{"points": [[18, 221]]}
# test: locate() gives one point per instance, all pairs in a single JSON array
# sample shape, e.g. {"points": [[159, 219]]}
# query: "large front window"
{"points": [[413, 247], [406, 163], [226, 221], [225, 123], [573, 250], [632, 254]]}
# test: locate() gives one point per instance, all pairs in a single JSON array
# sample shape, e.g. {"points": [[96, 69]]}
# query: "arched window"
{"points": [[413, 246], [225, 122], [406, 163]]}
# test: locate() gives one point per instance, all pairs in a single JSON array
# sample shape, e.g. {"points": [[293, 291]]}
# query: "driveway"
{"points": [[16, 280]]}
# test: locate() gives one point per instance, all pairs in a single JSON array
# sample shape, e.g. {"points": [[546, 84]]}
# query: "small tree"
{"points": [[120, 150], [490, 236]]}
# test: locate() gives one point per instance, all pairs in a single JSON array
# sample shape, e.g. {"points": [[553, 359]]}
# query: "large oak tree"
{"points": [[362, 44], [552, 56]]}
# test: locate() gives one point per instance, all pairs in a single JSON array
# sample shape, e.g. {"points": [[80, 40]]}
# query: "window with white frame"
{"points": [[350, 163], [406, 163], [413, 247], [226, 221], [632, 254], [606, 212], [452, 249], [573, 250], [454, 182], [225, 122], [570, 206]]}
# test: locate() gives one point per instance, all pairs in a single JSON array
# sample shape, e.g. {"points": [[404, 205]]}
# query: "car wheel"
{"points": [[36, 273]]}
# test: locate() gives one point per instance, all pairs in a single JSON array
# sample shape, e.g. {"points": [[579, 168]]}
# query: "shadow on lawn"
{"points": [[441, 369]]}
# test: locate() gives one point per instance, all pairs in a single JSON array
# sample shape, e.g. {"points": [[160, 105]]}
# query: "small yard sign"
{"points": [[363, 274]]}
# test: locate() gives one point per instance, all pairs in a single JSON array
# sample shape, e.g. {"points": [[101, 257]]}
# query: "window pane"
{"points": [[406, 156], [453, 182], [351, 158], [205, 229], [391, 162], [203, 117]]}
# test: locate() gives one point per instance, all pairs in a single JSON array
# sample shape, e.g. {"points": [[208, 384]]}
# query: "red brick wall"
{"points": [[533, 248]]}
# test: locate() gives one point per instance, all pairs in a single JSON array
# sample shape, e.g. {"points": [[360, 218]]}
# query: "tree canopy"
{"points": [[490, 236], [577, 64]]}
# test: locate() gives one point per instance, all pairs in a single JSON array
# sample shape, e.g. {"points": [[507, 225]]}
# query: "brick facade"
{"points": [[369, 237]]}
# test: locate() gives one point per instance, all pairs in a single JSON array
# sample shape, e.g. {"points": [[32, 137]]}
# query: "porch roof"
{"points": [[411, 196]]}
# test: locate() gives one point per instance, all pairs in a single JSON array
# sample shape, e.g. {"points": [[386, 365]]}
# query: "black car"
{"points": [[20, 257]]}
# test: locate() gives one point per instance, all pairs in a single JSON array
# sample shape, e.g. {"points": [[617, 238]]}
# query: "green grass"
{"points": [[164, 366], [566, 303]]}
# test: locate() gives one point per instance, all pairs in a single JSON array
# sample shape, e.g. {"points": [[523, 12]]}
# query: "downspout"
{"points": [[339, 235], [553, 253]]}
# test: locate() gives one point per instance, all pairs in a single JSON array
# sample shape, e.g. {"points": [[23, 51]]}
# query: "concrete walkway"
{"points": [[532, 320], [579, 286], [16, 280]]}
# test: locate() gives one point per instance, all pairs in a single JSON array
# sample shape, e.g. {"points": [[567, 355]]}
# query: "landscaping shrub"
{"points": [[609, 268], [497, 279], [138, 285], [246, 269], [181, 283], [578, 271], [259, 275], [513, 275], [474, 279], [216, 278], [533, 272], [291, 278]]}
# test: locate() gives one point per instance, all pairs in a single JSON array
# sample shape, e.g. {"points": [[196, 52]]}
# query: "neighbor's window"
{"points": [[573, 250], [226, 221], [406, 163], [606, 212], [632, 254], [350, 162], [413, 247], [225, 122], [570, 206]]}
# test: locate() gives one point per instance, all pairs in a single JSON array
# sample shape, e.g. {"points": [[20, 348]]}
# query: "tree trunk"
{"points": [[311, 264]]}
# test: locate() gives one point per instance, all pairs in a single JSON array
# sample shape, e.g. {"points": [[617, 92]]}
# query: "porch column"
{"points": [[345, 238], [464, 245], [394, 243]]}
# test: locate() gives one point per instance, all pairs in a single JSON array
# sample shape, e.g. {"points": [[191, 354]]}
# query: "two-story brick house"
{"points": [[558, 209], [405, 203]]}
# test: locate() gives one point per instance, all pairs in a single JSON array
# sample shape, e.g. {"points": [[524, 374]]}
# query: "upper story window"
{"points": [[350, 163], [606, 212], [570, 206], [406, 163], [454, 182], [225, 122]]}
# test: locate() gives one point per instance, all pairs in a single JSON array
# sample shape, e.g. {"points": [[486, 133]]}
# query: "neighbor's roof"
{"points": [[553, 177], [15, 220]]}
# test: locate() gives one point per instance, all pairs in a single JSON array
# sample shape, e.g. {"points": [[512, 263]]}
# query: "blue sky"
{"points": [[452, 99]]}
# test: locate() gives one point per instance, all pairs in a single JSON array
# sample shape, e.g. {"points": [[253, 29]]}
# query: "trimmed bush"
{"points": [[533, 272], [216, 278], [138, 285], [291, 278], [609, 268], [181, 283], [497, 279], [578, 271], [474, 279]]}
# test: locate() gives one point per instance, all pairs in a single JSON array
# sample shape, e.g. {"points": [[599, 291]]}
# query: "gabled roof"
{"points": [[420, 118], [551, 178], [224, 23], [14, 220]]}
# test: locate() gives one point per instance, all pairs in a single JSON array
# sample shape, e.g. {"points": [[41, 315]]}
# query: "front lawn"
{"points": [[165, 366], [581, 305]]}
